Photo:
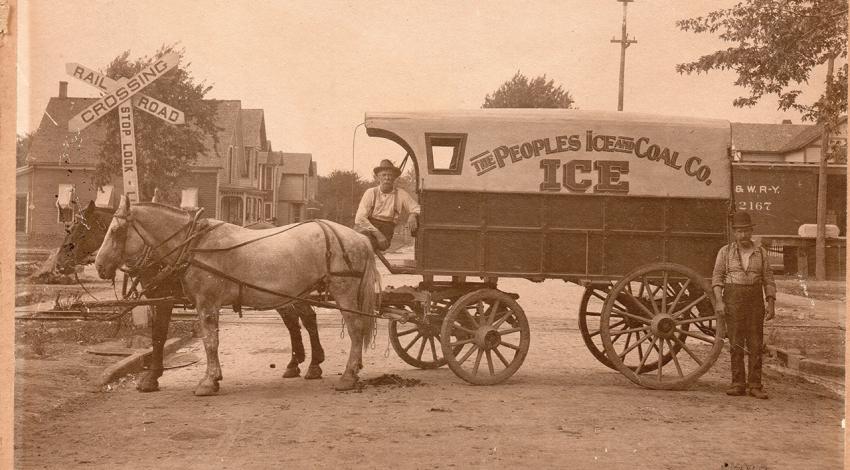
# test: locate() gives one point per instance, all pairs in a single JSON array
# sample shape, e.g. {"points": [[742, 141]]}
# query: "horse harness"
{"points": [[197, 228]]}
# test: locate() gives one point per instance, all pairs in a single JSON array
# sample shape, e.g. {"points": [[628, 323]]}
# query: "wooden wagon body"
{"points": [[604, 199]]}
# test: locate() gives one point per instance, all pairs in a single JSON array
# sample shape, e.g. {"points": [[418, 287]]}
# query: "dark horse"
{"points": [[85, 236]]}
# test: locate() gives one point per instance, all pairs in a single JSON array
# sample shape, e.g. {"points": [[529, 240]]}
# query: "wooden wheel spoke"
{"points": [[643, 360], [633, 330], [689, 306], [599, 296], [509, 331], [687, 350], [636, 345], [433, 348], [637, 302], [471, 318], [675, 358], [407, 332], [502, 319], [462, 342], [678, 297], [501, 357], [596, 332], [467, 354], [698, 336], [493, 309], [421, 350], [457, 326], [664, 294], [509, 345], [477, 362], [636, 317], [407, 348], [593, 314], [490, 363], [651, 296], [697, 320], [660, 357]]}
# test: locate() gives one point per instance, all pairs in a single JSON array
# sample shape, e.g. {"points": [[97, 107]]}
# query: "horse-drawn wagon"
{"points": [[633, 207]]}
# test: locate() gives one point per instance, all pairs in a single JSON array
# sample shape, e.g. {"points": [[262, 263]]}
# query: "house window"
{"points": [[445, 153], [230, 169], [296, 212], [65, 203], [231, 209], [246, 168], [267, 177], [21, 213]]}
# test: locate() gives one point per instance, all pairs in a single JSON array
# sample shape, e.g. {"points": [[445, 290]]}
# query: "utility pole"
{"points": [[624, 42], [820, 240]]}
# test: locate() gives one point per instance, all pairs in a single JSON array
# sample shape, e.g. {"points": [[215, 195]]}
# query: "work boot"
{"points": [[758, 393], [736, 391]]}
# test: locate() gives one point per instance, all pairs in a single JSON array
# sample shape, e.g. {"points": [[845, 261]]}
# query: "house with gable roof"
{"points": [[234, 180]]}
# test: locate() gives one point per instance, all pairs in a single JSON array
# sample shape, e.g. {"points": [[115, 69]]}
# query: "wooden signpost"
{"points": [[123, 95]]}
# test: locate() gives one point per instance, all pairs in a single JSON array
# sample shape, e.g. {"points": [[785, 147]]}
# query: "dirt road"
{"points": [[562, 409]]}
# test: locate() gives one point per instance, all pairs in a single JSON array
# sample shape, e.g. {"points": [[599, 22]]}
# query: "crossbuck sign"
{"points": [[123, 95]]}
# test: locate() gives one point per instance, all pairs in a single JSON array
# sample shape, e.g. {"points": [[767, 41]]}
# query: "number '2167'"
{"points": [[754, 205]]}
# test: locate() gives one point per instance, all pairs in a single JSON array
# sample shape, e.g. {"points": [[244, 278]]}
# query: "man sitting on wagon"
{"points": [[381, 206]]}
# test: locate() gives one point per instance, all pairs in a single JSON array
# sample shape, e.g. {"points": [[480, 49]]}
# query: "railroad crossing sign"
{"points": [[124, 94]]}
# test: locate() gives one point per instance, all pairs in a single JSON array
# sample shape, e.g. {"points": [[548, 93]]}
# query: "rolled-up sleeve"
{"points": [[408, 203], [718, 276], [768, 281], [361, 218]]}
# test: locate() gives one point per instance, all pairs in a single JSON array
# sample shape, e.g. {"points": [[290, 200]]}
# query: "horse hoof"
{"points": [[291, 372], [206, 390], [146, 386], [346, 383], [313, 372]]}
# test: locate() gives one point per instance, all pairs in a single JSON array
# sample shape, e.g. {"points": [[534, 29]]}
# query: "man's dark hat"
{"points": [[386, 165], [741, 220]]}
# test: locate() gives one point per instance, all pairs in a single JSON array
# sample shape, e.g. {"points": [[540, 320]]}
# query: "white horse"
{"points": [[232, 265]]}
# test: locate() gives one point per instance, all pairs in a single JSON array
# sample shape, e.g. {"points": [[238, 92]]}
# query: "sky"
{"points": [[316, 67]]}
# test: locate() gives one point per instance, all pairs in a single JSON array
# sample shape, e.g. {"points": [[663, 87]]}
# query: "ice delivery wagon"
{"points": [[632, 206]]}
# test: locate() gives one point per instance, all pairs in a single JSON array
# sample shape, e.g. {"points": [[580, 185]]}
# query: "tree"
{"points": [[777, 45], [164, 151], [340, 193], [520, 92], [22, 147]]}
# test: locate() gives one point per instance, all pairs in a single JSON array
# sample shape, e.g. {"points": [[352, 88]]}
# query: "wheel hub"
{"points": [[487, 338], [663, 325]]}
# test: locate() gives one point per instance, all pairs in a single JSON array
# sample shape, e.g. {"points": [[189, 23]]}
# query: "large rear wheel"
{"points": [[669, 309]]}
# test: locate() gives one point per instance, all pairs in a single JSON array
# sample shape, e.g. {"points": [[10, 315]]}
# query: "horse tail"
{"points": [[370, 285]]}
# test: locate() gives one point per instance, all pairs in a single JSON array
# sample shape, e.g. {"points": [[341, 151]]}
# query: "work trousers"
{"points": [[386, 228], [745, 328]]}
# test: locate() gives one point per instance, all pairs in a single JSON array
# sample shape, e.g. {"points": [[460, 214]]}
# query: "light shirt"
{"points": [[383, 206], [729, 268]]}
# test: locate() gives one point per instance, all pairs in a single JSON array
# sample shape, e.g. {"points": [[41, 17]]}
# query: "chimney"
{"points": [[63, 89], [786, 121]]}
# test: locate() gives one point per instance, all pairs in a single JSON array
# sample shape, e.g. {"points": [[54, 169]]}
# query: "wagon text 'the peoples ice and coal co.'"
{"points": [[608, 170]]}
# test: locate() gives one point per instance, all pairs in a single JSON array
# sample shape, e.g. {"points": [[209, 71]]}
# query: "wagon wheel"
{"points": [[590, 314], [485, 337], [670, 299], [418, 342]]}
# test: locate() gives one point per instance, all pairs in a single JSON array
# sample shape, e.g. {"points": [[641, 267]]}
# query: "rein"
{"points": [[185, 259]]}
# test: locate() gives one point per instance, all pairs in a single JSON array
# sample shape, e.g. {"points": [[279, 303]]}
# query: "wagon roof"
{"points": [[548, 115]]}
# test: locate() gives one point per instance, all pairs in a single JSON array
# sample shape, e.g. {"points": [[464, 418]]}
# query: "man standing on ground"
{"points": [[381, 206], [741, 281]]}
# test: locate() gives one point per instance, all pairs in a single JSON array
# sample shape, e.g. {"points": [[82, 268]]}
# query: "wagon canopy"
{"points": [[563, 151]]}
